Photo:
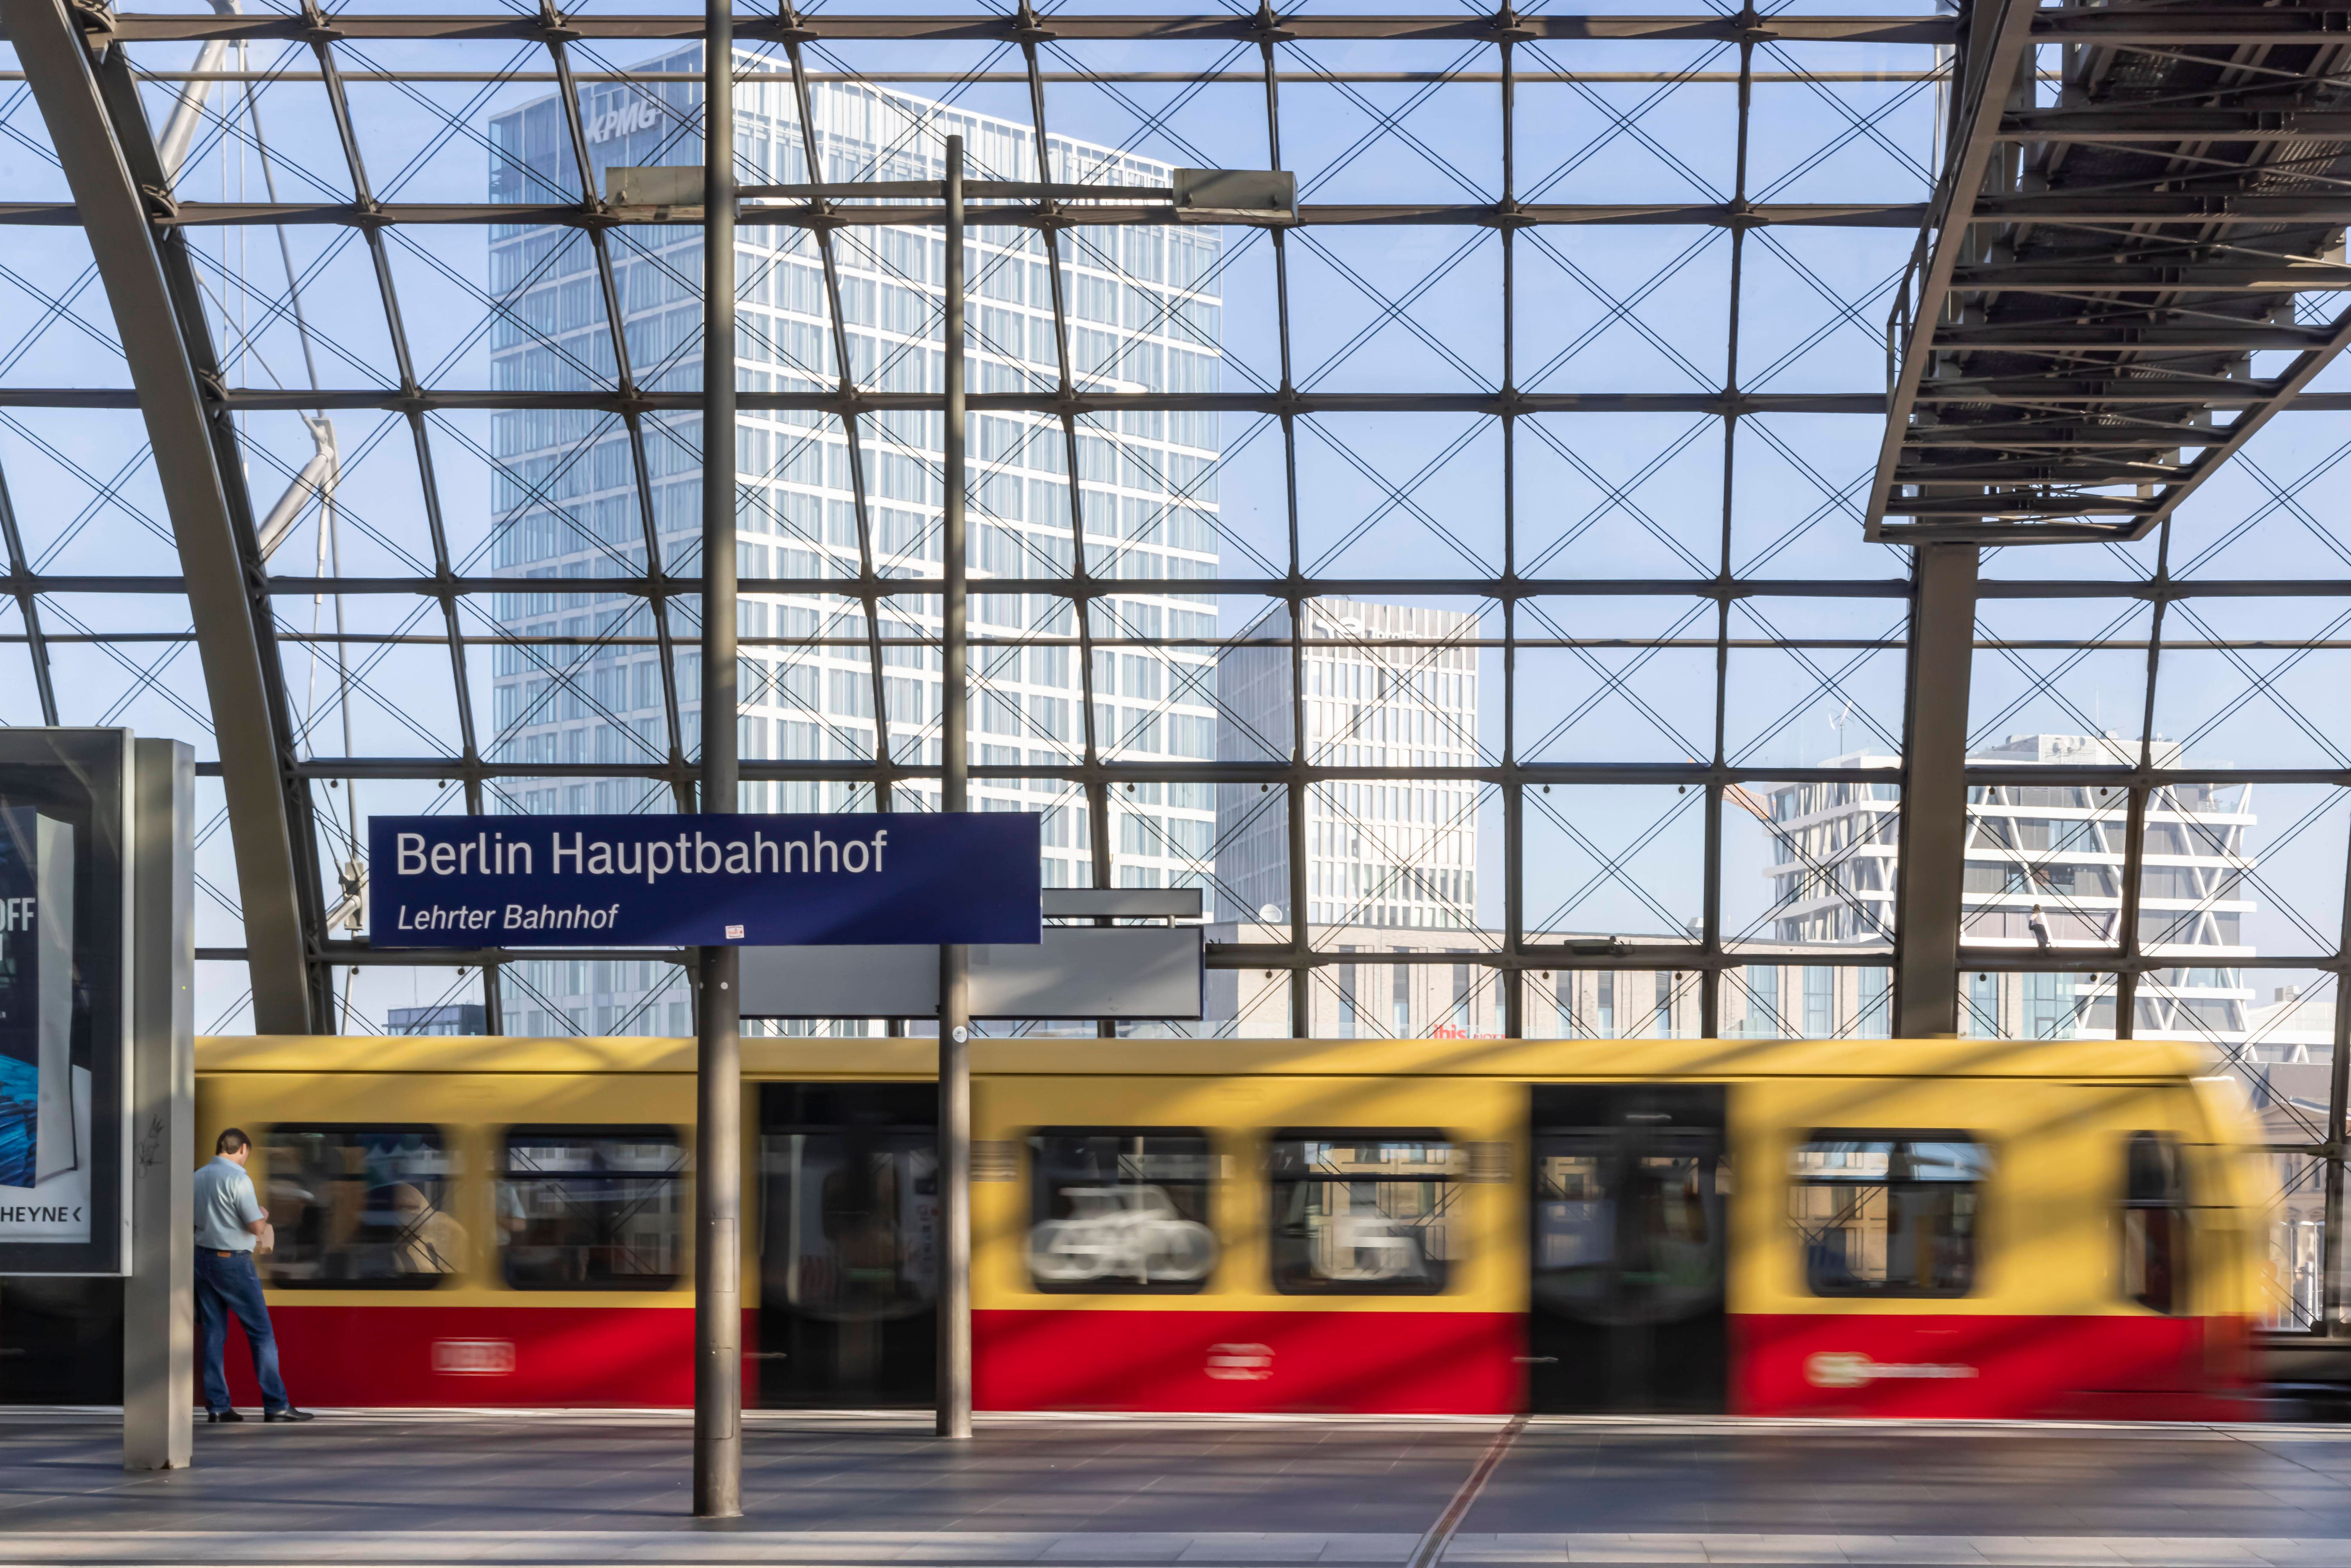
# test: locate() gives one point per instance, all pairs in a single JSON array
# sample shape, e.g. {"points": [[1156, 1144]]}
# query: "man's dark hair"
{"points": [[232, 1141]]}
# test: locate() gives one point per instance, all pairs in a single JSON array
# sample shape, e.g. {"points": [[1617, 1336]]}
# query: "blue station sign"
{"points": [[702, 880]]}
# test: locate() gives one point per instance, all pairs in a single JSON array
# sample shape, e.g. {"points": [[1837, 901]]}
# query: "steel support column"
{"points": [[718, 1056], [2332, 1319], [158, 1299], [244, 699], [955, 795], [1934, 794]]}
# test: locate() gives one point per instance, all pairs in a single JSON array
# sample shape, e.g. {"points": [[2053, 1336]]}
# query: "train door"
{"points": [[849, 1244], [1630, 1212]]}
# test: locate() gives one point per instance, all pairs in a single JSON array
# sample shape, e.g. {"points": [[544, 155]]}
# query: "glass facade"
{"points": [[842, 670], [1463, 583]]}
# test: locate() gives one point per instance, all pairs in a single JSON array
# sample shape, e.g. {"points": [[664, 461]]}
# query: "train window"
{"points": [[359, 1207], [1888, 1214], [591, 1209], [1629, 1224], [1120, 1208], [1363, 1213], [2155, 1223]]}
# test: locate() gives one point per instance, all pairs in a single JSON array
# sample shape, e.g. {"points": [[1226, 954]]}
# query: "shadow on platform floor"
{"points": [[451, 1488]]}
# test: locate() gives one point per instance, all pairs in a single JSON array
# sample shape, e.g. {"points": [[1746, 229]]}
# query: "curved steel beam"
{"points": [[227, 591]]}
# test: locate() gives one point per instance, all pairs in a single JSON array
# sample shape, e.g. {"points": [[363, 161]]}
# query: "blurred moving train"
{"points": [[1917, 1228]]}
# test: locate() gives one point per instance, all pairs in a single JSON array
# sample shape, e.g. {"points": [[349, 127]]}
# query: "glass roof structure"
{"points": [[1465, 584]]}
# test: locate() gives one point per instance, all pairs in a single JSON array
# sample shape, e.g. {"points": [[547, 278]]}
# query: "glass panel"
{"points": [[1627, 1234], [1614, 861], [2155, 1223], [361, 1206], [2039, 1005], [2297, 1247], [1120, 1210], [1887, 1214], [1813, 864], [1362, 1213], [1810, 1001], [592, 1210], [859, 1230]]}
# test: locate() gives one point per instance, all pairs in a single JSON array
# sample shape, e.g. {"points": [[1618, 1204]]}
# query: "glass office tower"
{"points": [[597, 490]]}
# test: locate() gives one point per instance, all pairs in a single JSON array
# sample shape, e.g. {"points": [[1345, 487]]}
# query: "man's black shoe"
{"points": [[289, 1414], [211, 1415]]}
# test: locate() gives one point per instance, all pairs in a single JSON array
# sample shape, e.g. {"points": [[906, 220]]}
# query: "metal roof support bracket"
{"points": [[58, 68], [2002, 46]]}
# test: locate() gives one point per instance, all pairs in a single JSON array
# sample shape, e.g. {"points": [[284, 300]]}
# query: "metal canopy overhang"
{"points": [[2082, 312]]}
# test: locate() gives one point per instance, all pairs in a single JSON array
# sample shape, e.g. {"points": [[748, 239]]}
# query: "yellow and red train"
{"points": [[1929, 1229]]}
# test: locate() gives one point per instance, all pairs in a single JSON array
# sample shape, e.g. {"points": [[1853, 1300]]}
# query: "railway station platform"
{"points": [[460, 1488]]}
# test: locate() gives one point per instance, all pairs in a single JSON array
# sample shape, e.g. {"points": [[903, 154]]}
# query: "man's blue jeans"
{"points": [[226, 1285]]}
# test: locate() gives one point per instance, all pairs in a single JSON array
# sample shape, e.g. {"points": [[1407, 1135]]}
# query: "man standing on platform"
{"points": [[229, 1222]]}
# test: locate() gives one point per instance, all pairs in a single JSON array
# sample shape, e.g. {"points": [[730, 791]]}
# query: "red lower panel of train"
{"points": [[1436, 1363], [2105, 1368], [1453, 1364], [1918, 1365], [477, 1355]]}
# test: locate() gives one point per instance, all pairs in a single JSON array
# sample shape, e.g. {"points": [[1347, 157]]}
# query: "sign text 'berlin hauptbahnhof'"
{"points": [[702, 880]]}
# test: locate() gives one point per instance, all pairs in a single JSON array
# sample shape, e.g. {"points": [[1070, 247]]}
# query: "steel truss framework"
{"points": [[2098, 274], [1729, 572]]}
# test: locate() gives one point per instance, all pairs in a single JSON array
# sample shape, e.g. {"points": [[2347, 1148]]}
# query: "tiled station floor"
{"points": [[455, 1488]]}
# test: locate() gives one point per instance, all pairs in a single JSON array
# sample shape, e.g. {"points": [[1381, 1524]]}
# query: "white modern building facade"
{"points": [[1390, 854], [587, 682], [2056, 847]]}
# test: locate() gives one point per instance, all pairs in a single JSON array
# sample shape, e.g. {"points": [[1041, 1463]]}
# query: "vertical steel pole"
{"points": [[159, 1300], [1932, 859], [718, 1141], [2331, 1316], [954, 997]]}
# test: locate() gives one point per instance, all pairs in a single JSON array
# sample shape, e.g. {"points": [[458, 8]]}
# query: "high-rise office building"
{"points": [[1392, 863], [1390, 853], [586, 493], [2056, 847]]}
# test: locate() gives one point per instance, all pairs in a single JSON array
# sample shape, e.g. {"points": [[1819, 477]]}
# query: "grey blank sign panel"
{"points": [[658, 186], [1075, 972]]}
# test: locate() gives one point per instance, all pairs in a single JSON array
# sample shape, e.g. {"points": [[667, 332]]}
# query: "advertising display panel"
{"points": [[65, 1001]]}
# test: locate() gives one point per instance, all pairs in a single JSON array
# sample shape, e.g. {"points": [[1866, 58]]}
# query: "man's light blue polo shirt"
{"points": [[224, 1206]]}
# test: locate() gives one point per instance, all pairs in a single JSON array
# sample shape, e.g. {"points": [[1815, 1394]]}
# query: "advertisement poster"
{"points": [[65, 1006], [44, 1096]]}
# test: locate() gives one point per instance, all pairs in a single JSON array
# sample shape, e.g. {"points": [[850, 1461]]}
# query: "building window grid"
{"points": [[2057, 846], [1154, 848]]}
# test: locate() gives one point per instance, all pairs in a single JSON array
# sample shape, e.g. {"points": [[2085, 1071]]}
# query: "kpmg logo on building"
{"points": [[623, 117], [702, 880]]}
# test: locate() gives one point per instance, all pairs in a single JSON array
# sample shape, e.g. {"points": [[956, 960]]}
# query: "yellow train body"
{"points": [[1549, 1292]]}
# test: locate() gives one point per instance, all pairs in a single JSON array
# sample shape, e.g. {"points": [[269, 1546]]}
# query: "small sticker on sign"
{"points": [[734, 933]]}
